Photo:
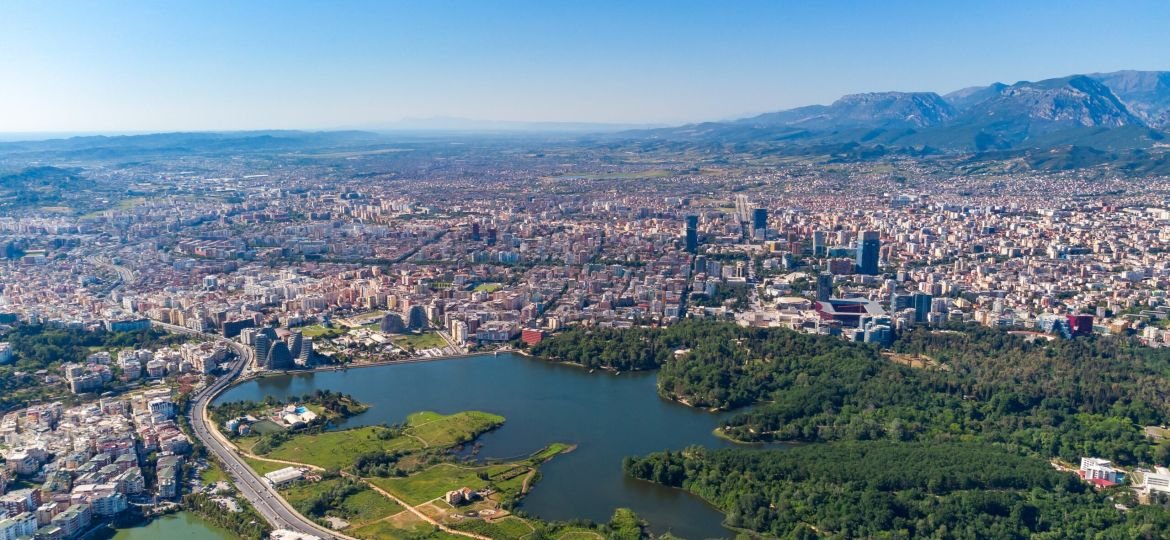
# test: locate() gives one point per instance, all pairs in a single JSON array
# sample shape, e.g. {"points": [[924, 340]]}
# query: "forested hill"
{"points": [[1088, 396], [883, 489]]}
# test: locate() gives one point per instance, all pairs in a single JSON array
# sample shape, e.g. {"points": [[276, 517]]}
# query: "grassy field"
{"points": [[488, 287], [429, 340], [437, 430], [339, 449], [213, 474], [263, 467], [432, 483], [317, 331], [359, 509], [579, 534], [402, 526], [509, 528]]}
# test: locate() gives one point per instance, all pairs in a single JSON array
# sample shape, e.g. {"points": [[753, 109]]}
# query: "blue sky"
{"points": [[114, 66]]}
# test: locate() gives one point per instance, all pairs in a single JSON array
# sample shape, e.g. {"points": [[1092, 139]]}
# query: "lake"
{"points": [[608, 416], [180, 526]]}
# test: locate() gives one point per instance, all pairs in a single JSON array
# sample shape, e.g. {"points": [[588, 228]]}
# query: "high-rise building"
{"points": [[824, 286], [922, 306], [305, 355], [869, 246], [295, 342], [475, 232], [491, 236], [279, 357], [760, 224], [692, 233], [818, 243], [261, 346], [743, 208]]}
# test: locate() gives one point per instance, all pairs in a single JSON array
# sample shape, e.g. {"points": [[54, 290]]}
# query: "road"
{"points": [[251, 486]]}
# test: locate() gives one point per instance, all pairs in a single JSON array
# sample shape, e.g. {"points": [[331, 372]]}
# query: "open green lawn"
{"points": [[339, 449], [317, 331], [263, 467], [213, 474], [579, 534], [429, 340], [361, 508], [509, 528], [265, 427], [489, 287], [437, 430], [549, 452], [430, 484], [403, 526]]}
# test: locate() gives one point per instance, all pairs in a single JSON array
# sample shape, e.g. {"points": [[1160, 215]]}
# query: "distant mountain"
{"points": [[1074, 111], [879, 109], [1145, 93], [964, 99]]}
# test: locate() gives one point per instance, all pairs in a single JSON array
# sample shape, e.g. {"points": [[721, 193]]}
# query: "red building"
{"points": [[1080, 325], [531, 337]]}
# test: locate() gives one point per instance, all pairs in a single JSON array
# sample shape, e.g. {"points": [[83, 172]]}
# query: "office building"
{"points": [[868, 247], [824, 286], [760, 224], [922, 306], [692, 233]]}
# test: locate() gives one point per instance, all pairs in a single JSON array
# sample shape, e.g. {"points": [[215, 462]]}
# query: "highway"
{"points": [[251, 486]]}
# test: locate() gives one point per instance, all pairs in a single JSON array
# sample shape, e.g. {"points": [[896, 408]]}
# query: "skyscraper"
{"points": [[869, 244], [824, 286], [305, 355], [818, 243], [922, 306], [743, 208], [692, 233], [760, 224], [475, 232]]}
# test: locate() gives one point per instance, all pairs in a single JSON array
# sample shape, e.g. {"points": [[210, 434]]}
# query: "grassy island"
{"points": [[397, 481]]}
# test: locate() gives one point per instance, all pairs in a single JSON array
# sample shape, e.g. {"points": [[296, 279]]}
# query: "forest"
{"points": [[947, 435], [886, 489], [1065, 398]]}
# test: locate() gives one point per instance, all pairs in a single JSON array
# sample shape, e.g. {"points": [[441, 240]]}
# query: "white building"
{"points": [[1099, 469], [285, 476], [1158, 480], [19, 526]]}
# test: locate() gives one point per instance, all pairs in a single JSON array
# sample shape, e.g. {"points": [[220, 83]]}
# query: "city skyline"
{"points": [[123, 67]]}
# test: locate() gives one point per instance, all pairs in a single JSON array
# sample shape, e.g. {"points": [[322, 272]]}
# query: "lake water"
{"points": [[180, 526], [608, 416]]}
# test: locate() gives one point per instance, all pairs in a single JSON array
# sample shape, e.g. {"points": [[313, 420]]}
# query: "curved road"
{"points": [[251, 486]]}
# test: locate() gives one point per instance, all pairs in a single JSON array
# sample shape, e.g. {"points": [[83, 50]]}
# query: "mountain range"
{"points": [[1119, 111]]}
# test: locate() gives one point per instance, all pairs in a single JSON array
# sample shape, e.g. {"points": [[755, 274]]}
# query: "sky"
{"points": [[200, 65]]}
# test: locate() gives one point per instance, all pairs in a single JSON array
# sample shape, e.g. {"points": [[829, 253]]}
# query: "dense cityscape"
{"points": [[389, 270], [412, 262]]}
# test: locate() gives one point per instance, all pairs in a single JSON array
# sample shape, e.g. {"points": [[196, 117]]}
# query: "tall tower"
{"points": [[760, 224], [818, 243], [824, 286], [692, 233], [869, 246]]}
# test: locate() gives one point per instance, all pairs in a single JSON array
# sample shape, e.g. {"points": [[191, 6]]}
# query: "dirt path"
{"points": [[384, 493], [527, 481], [414, 510]]}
